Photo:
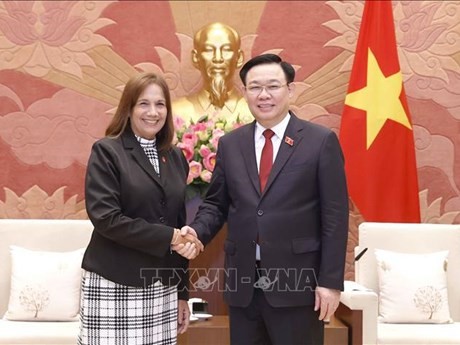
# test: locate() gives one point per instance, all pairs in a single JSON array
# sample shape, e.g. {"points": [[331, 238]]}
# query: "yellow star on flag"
{"points": [[380, 99]]}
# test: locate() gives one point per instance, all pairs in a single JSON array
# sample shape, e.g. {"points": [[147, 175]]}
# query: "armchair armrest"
{"points": [[357, 298]]}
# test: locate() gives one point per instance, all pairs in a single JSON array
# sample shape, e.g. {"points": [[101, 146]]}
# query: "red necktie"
{"points": [[266, 160]]}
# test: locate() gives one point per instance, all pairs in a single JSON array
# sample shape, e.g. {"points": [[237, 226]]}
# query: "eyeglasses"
{"points": [[256, 90]]}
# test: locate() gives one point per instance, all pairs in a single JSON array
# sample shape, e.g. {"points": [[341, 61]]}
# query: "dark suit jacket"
{"points": [[301, 217], [134, 212]]}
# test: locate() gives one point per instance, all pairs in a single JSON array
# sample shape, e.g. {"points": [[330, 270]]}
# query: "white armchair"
{"points": [[362, 296]]}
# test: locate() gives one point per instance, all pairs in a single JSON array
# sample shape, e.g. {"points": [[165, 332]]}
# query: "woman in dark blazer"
{"points": [[134, 288]]}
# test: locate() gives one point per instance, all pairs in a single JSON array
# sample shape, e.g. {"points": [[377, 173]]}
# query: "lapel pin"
{"points": [[289, 141], [163, 159]]}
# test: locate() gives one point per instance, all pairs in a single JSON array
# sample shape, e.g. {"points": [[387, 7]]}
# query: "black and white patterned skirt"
{"points": [[114, 314]]}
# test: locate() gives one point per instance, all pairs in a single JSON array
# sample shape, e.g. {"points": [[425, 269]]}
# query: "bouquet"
{"points": [[199, 142]]}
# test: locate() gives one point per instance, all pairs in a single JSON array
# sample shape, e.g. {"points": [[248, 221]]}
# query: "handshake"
{"points": [[186, 243]]}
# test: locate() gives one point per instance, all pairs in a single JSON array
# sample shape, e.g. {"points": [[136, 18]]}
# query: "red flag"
{"points": [[376, 131]]}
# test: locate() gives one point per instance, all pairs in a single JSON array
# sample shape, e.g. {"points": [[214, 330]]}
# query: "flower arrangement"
{"points": [[199, 142]]}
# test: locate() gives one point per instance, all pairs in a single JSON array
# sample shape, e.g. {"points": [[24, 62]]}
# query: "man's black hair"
{"points": [[263, 59]]}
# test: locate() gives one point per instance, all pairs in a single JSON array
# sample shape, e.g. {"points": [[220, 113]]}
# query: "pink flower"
{"points": [[175, 139], [204, 151], [209, 162], [178, 123], [190, 138], [206, 176], [210, 124], [216, 135], [198, 127], [194, 172], [187, 149]]}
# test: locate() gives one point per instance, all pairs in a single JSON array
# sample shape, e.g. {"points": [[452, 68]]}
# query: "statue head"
{"points": [[217, 55]]}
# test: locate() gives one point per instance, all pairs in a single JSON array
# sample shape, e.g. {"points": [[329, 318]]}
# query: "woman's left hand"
{"points": [[183, 316]]}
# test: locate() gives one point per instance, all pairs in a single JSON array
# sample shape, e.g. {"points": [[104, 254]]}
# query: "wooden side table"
{"points": [[335, 332], [214, 331]]}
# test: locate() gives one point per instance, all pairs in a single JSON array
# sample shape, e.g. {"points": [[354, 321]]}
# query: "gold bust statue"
{"points": [[217, 55]]}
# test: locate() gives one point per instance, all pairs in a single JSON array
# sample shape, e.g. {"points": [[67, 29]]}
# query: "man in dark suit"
{"points": [[283, 193]]}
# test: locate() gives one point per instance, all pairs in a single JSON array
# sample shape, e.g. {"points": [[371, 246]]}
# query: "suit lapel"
{"points": [[248, 151], [131, 144], [289, 142], [163, 159]]}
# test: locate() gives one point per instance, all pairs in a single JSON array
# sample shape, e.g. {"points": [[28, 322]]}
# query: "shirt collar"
{"points": [[144, 141], [279, 129]]}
